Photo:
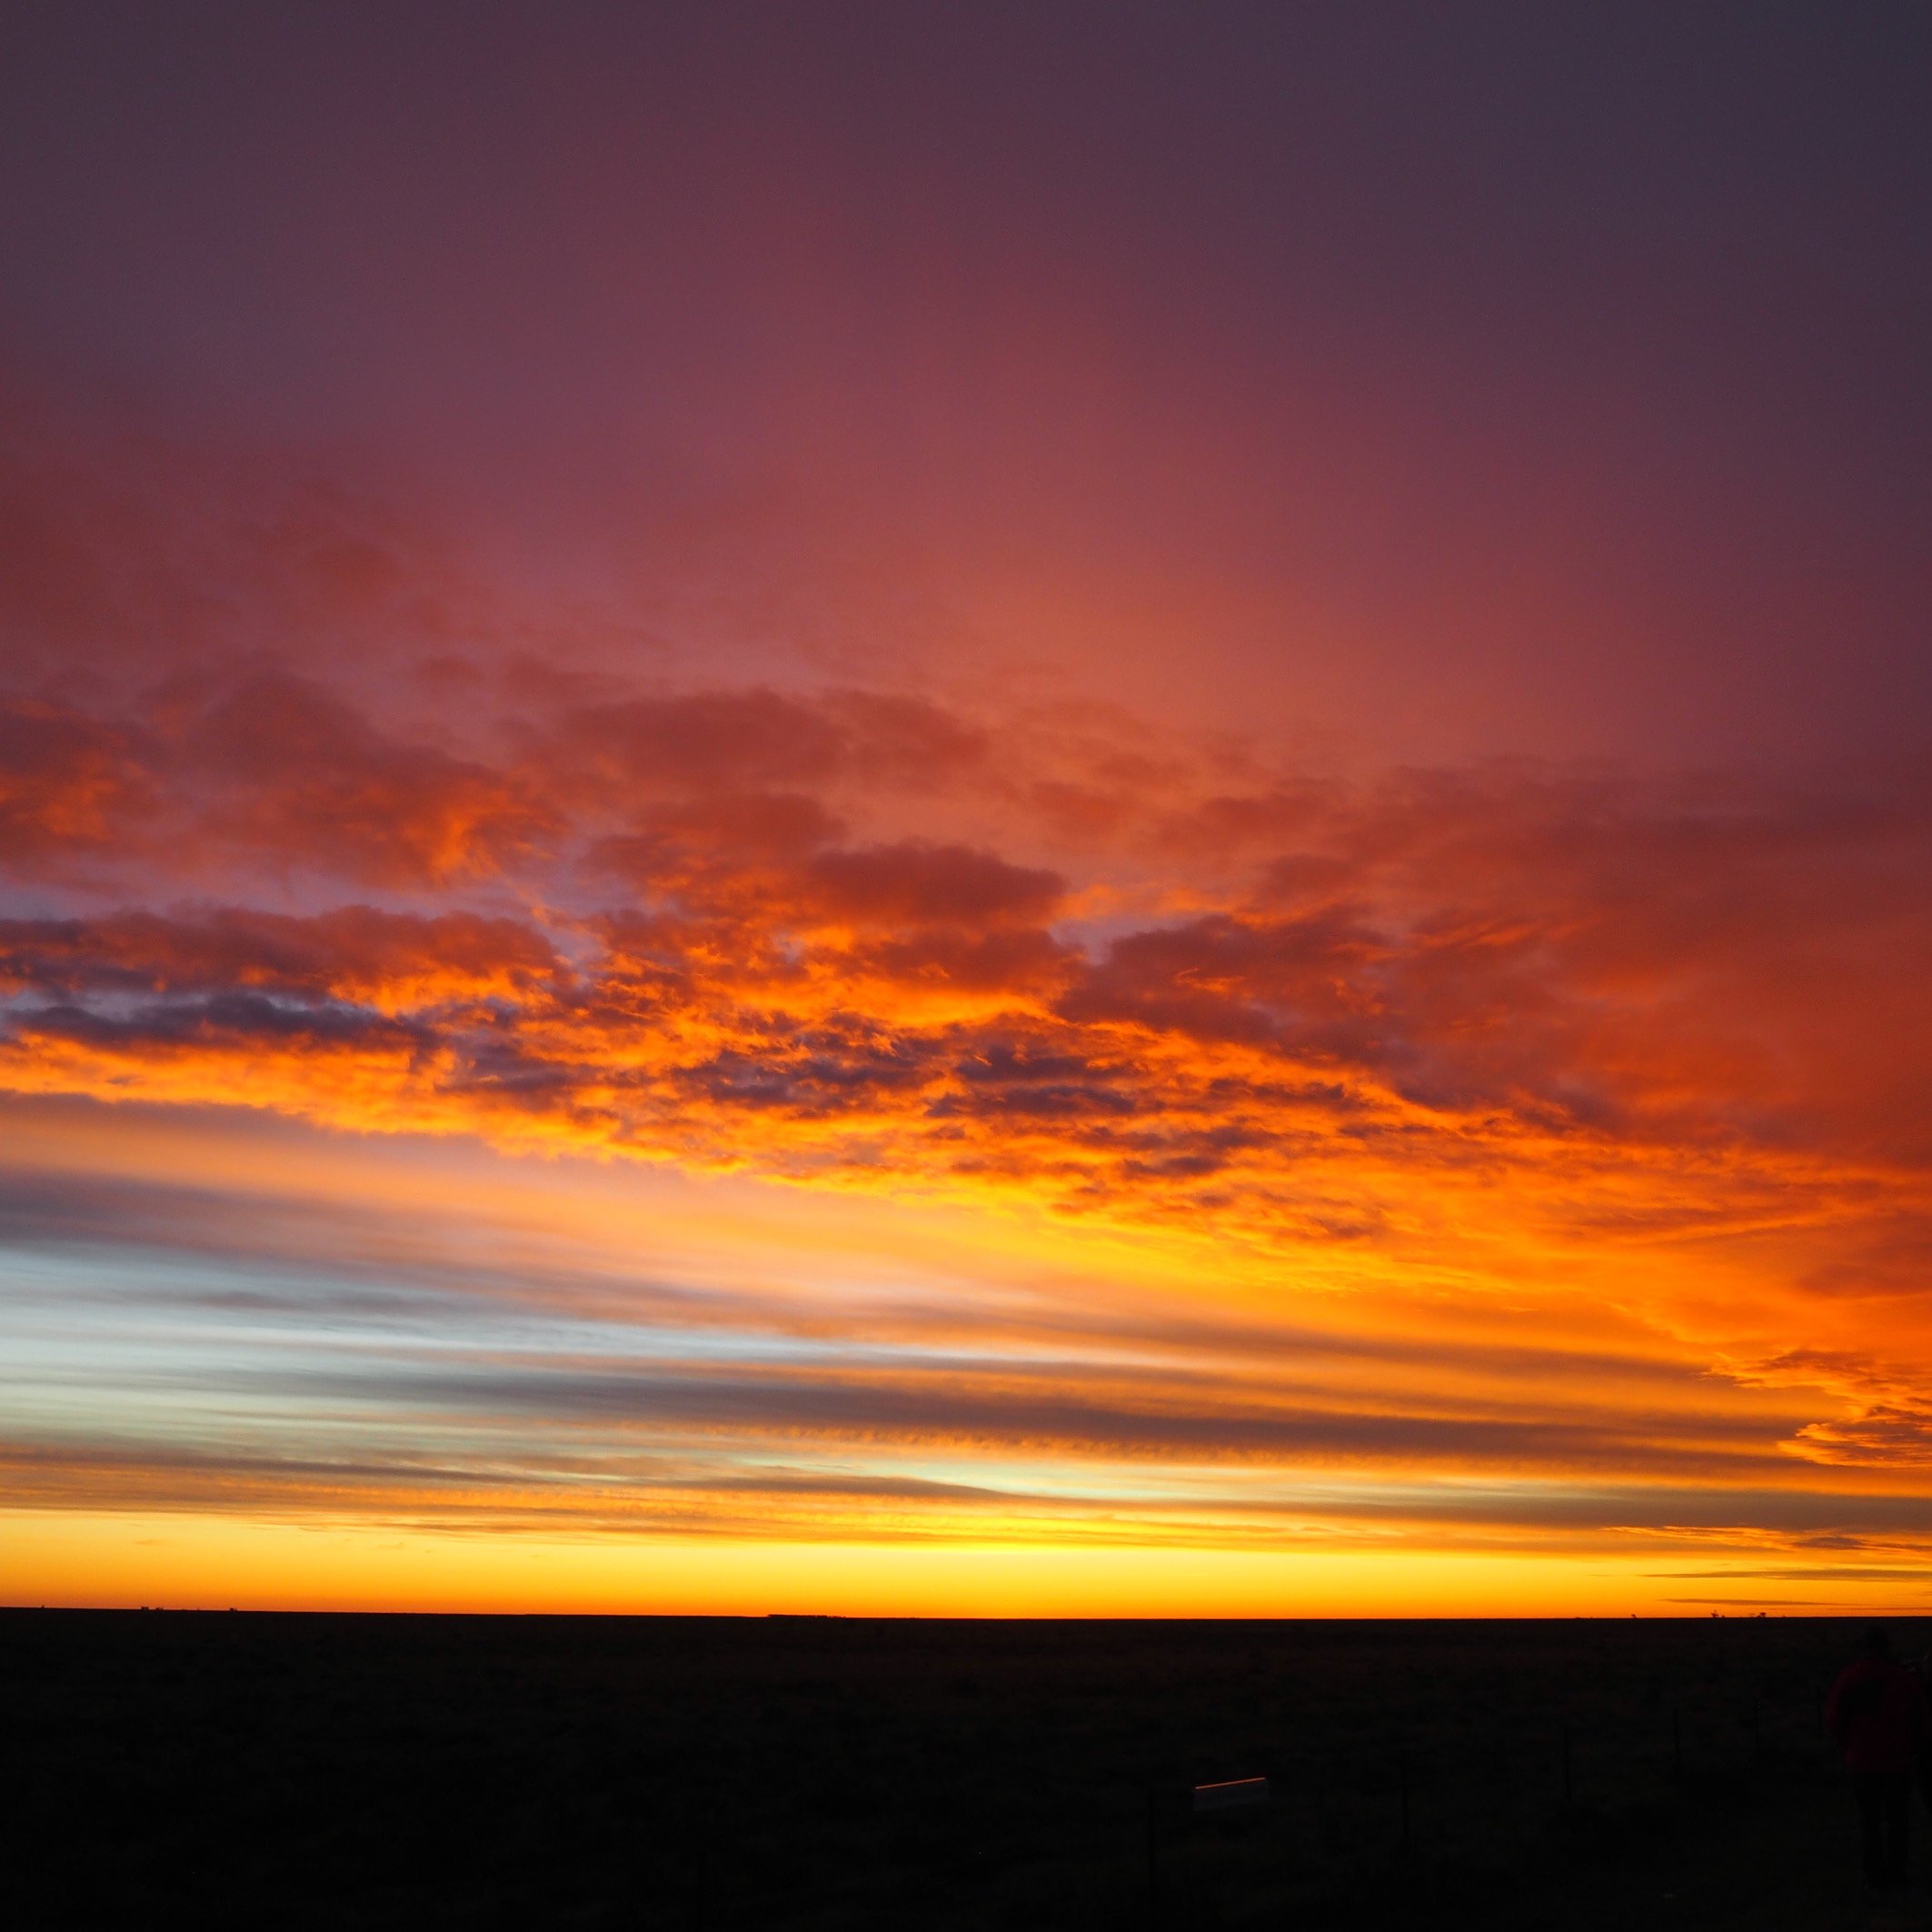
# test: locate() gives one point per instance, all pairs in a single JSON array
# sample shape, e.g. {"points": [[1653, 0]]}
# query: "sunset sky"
{"points": [[966, 809]]}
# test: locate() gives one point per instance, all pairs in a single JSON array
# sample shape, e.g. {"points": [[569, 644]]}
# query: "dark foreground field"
{"points": [[429, 1771]]}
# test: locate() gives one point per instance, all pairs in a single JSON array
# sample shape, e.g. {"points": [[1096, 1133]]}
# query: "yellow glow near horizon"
{"points": [[184, 1562], [914, 1408], [1380, 1193]]}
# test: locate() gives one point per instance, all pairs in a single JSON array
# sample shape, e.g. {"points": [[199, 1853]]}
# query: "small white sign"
{"points": [[1235, 1791]]}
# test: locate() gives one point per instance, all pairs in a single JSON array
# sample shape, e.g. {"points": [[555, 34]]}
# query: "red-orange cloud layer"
{"points": [[1530, 1157], [741, 1029]]}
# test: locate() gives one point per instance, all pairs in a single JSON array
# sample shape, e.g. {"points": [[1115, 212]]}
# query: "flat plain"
{"points": [[322, 1770]]}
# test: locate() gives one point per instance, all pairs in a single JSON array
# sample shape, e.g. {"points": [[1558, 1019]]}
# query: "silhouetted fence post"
{"points": [[1401, 1779], [1563, 1738]]}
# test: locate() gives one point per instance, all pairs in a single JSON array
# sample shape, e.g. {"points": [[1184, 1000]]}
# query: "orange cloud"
{"points": [[71, 787], [1509, 974], [1486, 1058]]}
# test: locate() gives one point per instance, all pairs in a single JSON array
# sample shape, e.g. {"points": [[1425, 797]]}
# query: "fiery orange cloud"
{"points": [[1152, 799], [1513, 1162]]}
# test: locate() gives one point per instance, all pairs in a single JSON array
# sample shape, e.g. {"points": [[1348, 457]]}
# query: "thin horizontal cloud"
{"points": [[359, 1365], [1888, 1433], [505, 1477], [292, 1252], [354, 955], [1534, 1138]]}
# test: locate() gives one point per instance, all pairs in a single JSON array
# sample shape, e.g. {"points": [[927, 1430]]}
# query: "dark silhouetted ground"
{"points": [[451, 1771]]}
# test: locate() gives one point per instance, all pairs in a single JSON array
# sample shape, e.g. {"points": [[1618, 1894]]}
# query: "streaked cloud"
{"points": [[1030, 828]]}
